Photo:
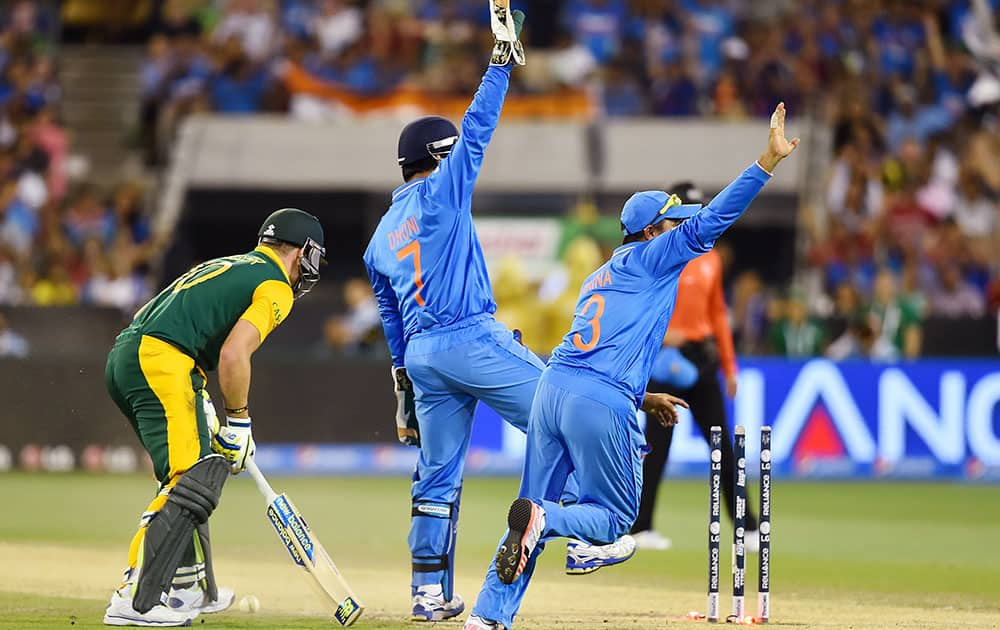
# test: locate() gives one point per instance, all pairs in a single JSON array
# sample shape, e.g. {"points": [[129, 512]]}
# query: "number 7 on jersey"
{"points": [[413, 248]]}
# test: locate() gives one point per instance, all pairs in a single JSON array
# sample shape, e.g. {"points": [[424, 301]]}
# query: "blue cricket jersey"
{"points": [[624, 307], [424, 260]]}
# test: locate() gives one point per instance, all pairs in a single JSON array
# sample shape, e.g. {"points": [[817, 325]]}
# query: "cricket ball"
{"points": [[249, 604]]}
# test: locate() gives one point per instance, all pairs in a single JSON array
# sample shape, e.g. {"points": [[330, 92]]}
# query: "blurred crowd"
{"points": [[725, 58], [906, 227], [910, 216], [61, 242]]}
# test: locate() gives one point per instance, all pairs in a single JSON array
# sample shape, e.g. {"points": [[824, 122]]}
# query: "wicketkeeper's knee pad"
{"points": [[432, 543], [170, 533]]}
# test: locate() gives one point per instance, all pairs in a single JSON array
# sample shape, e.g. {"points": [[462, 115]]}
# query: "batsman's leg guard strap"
{"points": [[429, 564], [432, 509], [203, 545], [169, 534]]}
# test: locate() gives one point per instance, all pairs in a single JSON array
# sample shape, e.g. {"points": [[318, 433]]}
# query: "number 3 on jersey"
{"points": [[413, 248], [594, 323]]}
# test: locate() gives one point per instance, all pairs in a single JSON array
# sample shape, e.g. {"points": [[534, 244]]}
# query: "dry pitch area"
{"points": [[872, 555]]}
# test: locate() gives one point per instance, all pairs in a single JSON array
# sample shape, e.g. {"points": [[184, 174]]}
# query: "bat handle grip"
{"points": [[258, 477]]}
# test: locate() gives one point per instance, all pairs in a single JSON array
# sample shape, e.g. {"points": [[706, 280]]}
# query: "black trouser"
{"points": [[705, 398]]}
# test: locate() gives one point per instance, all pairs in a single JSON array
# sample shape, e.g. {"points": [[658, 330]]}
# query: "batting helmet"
{"points": [[428, 137]]}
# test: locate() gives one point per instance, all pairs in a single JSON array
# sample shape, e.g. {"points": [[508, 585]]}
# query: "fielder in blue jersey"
{"points": [[583, 418], [430, 279]]}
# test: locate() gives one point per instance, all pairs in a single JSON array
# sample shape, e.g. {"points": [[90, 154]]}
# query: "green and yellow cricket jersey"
{"points": [[199, 309]]}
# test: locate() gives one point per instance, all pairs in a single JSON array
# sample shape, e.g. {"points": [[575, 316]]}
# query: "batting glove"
{"points": [[235, 443], [407, 429], [506, 27]]}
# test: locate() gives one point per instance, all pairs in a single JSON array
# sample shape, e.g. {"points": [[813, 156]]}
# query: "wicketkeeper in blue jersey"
{"points": [[583, 418], [434, 295]]}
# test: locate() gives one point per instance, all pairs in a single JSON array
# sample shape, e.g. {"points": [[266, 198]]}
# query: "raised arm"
{"points": [[452, 183], [388, 308], [698, 234]]}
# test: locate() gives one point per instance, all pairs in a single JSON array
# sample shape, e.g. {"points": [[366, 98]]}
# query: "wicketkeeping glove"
{"points": [[506, 30], [407, 429], [235, 443]]}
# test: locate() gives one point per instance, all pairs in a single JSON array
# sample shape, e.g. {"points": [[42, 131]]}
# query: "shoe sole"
{"points": [[438, 615], [512, 556], [217, 606], [114, 620]]}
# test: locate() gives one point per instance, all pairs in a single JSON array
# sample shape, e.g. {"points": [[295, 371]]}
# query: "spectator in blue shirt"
{"points": [[909, 120], [898, 37], [239, 85], [711, 23], [674, 91], [598, 25]]}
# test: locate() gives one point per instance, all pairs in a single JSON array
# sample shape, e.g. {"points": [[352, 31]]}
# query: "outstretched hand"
{"points": [[778, 147], [663, 407]]}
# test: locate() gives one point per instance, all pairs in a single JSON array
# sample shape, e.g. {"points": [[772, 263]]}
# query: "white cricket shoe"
{"points": [[475, 622], [751, 541], [192, 600], [121, 613], [582, 558], [652, 540], [525, 523], [429, 604]]}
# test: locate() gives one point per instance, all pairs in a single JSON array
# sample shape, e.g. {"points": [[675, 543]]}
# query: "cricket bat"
{"points": [[307, 552]]}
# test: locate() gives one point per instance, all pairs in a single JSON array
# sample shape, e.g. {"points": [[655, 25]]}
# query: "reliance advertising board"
{"points": [[919, 420]]}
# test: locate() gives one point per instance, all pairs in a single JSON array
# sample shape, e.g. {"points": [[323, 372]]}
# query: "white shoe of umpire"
{"points": [[525, 523], [652, 540], [582, 558], [751, 541], [193, 600], [429, 604], [121, 613]]}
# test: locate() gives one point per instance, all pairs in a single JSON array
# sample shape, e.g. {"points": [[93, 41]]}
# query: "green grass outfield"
{"points": [[845, 555]]}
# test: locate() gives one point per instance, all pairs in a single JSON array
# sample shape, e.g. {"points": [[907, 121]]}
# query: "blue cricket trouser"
{"points": [[578, 424], [452, 368]]}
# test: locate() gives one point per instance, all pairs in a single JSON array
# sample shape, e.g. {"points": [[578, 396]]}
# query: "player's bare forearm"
{"points": [[234, 380], [234, 367]]}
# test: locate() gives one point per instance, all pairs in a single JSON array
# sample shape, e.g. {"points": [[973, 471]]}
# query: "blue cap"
{"points": [[649, 207]]}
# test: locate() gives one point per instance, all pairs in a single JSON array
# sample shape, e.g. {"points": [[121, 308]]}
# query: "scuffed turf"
{"points": [[860, 555]]}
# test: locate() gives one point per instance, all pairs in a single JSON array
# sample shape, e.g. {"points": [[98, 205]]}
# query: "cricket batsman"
{"points": [[213, 317], [583, 418]]}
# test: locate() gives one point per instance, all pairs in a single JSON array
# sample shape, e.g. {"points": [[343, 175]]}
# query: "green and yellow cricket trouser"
{"points": [[161, 391]]}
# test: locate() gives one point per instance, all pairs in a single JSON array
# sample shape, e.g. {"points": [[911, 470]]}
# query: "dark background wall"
{"points": [[301, 391]]}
